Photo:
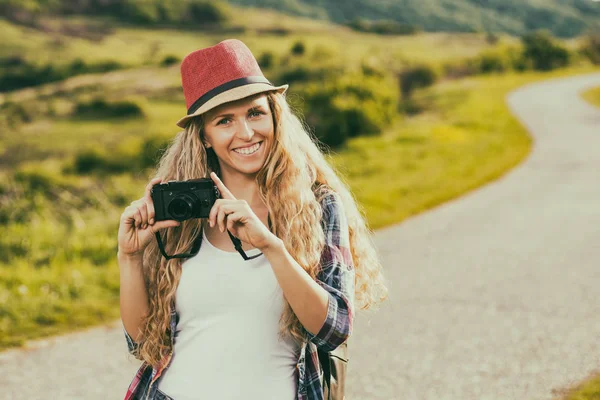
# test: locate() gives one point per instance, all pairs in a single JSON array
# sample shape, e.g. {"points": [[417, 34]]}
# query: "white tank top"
{"points": [[226, 344]]}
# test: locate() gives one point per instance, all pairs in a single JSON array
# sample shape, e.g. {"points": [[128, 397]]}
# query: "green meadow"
{"points": [[66, 176]]}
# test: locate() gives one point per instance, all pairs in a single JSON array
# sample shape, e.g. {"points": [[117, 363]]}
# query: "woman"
{"points": [[217, 326]]}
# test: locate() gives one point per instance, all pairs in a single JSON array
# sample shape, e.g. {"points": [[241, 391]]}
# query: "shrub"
{"points": [[93, 160], [461, 69], [542, 52], [206, 13], [491, 62], [299, 73], [104, 66], [266, 60], [27, 75], [88, 161], [12, 61], [152, 150], [351, 105], [169, 60], [298, 49], [77, 66], [17, 73], [491, 38], [383, 27], [14, 114], [277, 31], [415, 77], [591, 47], [100, 108]]}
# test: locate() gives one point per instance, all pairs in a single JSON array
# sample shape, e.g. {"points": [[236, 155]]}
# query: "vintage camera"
{"points": [[182, 200]]}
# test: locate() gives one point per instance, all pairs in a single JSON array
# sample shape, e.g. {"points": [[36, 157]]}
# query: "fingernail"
{"points": [[211, 224], [151, 220]]}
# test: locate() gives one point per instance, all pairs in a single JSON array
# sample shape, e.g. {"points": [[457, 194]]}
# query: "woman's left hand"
{"points": [[237, 216]]}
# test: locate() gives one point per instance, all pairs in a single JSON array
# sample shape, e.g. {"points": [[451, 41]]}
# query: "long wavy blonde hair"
{"points": [[291, 184]]}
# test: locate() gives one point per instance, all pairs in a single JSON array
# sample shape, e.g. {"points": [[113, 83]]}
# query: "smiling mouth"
{"points": [[249, 150]]}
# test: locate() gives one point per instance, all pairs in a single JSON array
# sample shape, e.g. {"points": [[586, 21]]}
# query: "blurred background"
{"points": [[410, 93]]}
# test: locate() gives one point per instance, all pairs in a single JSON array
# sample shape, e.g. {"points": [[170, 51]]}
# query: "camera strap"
{"points": [[237, 243], [195, 247]]}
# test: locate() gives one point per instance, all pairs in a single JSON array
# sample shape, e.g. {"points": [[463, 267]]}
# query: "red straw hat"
{"points": [[215, 75]]}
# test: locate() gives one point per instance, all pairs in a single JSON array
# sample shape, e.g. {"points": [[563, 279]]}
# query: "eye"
{"points": [[257, 112], [224, 119]]}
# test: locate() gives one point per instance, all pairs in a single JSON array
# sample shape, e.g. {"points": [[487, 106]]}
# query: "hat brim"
{"points": [[232, 95]]}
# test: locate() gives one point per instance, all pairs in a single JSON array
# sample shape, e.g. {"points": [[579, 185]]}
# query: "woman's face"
{"points": [[240, 133]]}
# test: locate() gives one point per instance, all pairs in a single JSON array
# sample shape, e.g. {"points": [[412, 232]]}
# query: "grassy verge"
{"points": [[466, 139], [588, 389], [593, 96]]}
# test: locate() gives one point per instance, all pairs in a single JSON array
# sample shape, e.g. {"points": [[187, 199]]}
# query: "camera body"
{"points": [[182, 200]]}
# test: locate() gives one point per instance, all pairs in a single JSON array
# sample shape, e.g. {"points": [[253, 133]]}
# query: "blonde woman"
{"points": [[216, 325]]}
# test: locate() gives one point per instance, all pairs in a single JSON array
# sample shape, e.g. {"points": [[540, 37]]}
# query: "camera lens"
{"points": [[182, 207]]}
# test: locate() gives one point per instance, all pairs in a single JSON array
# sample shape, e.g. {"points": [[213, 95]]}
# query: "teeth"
{"points": [[248, 150]]}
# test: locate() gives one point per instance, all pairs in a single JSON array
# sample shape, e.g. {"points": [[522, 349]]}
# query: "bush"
{"points": [[351, 105], [277, 31], [27, 75], [104, 66], [12, 61], [100, 108], [461, 69], [152, 150], [544, 55], [415, 77], [491, 38], [169, 60], [383, 27], [491, 62], [17, 73], [206, 13], [298, 49], [266, 60], [93, 160], [591, 47], [14, 114], [299, 73]]}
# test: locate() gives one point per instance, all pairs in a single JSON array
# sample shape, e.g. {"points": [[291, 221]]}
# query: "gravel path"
{"points": [[492, 296]]}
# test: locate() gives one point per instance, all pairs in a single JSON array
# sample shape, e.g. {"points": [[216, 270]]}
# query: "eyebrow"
{"points": [[253, 108]]}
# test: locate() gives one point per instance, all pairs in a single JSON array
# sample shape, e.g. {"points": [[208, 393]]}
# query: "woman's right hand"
{"points": [[137, 226]]}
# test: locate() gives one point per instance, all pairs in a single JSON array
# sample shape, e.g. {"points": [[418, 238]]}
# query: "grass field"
{"points": [[134, 46], [58, 268]]}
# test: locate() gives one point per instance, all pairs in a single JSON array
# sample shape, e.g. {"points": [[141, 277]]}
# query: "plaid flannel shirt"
{"points": [[336, 277]]}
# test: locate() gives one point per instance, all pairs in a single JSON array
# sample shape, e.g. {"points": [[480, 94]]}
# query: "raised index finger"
{"points": [[225, 193]]}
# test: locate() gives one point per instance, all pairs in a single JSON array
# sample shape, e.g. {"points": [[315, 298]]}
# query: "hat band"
{"points": [[225, 87]]}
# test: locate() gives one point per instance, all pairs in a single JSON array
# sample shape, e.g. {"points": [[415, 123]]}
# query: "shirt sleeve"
{"points": [[132, 345], [336, 276]]}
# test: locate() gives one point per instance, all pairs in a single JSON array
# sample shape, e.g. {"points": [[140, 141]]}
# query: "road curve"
{"points": [[495, 295], [492, 296]]}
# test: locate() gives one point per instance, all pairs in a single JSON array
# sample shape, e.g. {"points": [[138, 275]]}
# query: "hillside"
{"points": [[564, 18]]}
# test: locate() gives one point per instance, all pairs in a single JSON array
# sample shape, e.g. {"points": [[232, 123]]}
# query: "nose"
{"points": [[246, 132]]}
